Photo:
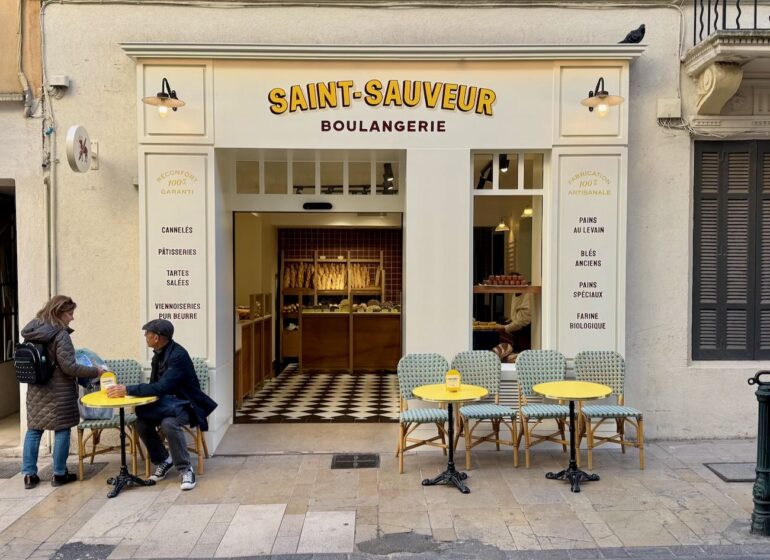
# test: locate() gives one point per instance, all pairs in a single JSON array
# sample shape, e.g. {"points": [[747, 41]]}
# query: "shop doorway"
{"points": [[318, 329]]}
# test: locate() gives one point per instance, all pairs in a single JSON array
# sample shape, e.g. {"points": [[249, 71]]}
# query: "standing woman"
{"points": [[53, 406]]}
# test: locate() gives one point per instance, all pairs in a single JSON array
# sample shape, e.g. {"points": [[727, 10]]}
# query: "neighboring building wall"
{"points": [[98, 233]]}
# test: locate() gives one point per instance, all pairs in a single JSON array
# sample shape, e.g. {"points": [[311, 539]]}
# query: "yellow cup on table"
{"points": [[107, 379], [452, 379]]}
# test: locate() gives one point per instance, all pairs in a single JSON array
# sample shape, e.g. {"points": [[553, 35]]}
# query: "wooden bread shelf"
{"points": [[506, 289]]}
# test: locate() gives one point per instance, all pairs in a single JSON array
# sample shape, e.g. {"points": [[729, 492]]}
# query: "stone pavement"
{"points": [[295, 505]]}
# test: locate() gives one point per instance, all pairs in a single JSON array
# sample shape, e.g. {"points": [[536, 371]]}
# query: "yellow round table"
{"points": [[439, 393], [99, 399], [572, 391]]}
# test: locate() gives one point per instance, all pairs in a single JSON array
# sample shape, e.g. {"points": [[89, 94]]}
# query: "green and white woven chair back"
{"points": [[128, 372], [420, 369], [539, 366], [602, 366], [202, 371], [479, 367]]}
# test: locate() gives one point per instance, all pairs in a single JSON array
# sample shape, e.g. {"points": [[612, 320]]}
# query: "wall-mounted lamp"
{"points": [[387, 177], [601, 100], [527, 212], [504, 163], [485, 176], [502, 226], [166, 98]]}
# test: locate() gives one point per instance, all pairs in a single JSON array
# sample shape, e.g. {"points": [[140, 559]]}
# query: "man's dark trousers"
{"points": [[177, 443]]}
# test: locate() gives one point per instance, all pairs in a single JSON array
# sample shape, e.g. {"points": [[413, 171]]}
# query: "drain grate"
{"points": [[734, 472], [355, 461]]}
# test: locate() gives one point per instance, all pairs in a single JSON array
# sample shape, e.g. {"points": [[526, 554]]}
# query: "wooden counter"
{"points": [[376, 340], [254, 356], [325, 341]]}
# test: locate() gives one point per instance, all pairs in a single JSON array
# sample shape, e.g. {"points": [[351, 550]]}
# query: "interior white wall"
{"points": [[437, 252], [248, 257]]}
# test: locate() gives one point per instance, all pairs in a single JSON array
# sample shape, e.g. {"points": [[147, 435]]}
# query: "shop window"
{"points": [[507, 237], [731, 251], [247, 177], [508, 171], [331, 177], [386, 174], [276, 177], [533, 171], [482, 171], [359, 177], [303, 177]]}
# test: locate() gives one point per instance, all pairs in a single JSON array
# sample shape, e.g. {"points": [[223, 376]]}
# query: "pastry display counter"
{"points": [[333, 316]]}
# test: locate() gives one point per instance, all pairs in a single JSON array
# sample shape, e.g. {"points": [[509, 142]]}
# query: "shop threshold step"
{"points": [[355, 461]]}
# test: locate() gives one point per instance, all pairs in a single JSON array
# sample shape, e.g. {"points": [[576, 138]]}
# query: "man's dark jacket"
{"points": [[173, 374]]}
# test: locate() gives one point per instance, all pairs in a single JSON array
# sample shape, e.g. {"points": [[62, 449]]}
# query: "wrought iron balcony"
{"points": [[712, 16]]}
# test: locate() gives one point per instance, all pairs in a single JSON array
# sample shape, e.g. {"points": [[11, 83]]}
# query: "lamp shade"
{"points": [[527, 212], [162, 100], [502, 226]]}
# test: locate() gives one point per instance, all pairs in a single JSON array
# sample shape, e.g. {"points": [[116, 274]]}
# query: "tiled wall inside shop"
{"points": [[362, 244]]}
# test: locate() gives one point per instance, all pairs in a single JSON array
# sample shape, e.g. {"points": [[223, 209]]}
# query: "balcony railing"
{"points": [[711, 16]]}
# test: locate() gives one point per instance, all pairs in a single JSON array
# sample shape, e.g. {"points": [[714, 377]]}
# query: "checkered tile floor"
{"points": [[323, 397]]}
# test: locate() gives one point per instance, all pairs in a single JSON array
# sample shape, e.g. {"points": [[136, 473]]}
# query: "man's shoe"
{"points": [[30, 481], [188, 479], [161, 471], [62, 479]]}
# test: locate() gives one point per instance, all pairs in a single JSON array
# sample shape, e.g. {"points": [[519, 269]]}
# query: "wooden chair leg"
{"points": [[205, 446], [527, 440], [134, 464], [496, 429], [622, 431], [95, 434], [589, 442], [440, 429], [81, 451], [514, 443], [561, 424], [401, 445], [199, 449], [467, 424], [640, 441]]}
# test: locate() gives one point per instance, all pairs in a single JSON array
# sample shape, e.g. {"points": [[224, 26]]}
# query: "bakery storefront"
{"points": [[326, 210]]}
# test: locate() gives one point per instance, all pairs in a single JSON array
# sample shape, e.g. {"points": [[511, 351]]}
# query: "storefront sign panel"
{"points": [[176, 245], [383, 105], [589, 218]]}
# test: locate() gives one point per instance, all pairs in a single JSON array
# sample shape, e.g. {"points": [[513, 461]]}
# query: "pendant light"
{"points": [[502, 226], [527, 212]]}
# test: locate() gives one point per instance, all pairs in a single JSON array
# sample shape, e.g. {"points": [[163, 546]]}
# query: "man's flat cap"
{"points": [[160, 327]]}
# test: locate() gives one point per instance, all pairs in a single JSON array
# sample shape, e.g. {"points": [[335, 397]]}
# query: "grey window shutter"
{"points": [[724, 263], [762, 260]]}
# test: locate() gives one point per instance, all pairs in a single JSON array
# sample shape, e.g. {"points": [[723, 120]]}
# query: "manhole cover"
{"points": [[734, 472], [355, 461]]}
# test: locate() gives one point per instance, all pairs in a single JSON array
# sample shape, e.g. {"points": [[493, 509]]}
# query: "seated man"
{"points": [[517, 333], [180, 402]]}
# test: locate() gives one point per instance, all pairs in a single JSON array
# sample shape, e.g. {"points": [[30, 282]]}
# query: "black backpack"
{"points": [[32, 363]]}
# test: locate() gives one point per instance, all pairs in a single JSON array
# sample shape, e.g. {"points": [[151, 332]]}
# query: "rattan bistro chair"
{"points": [[608, 368], [415, 370], [482, 368], [533, 367], [128, 372]]}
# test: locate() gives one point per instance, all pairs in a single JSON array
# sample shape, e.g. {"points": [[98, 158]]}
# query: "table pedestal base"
{"points": [[574, 475], [449, 477], [125, 479]]}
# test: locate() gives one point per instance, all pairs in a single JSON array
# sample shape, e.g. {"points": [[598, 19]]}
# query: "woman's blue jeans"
{"points": [[61, 448]]}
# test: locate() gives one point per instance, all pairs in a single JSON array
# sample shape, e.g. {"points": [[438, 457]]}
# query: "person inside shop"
{"points": [[181, 402], [53, 405], [515, 336]]}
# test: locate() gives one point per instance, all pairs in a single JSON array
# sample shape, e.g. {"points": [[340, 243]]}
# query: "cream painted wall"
{"points": [[437, 255], [98, 233], [249, 265]]}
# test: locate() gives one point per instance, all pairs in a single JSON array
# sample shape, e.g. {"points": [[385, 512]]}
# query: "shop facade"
{"points": [[610, 246]]}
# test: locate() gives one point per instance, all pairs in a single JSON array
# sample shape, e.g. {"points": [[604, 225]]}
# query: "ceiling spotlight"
{"points": [[504, 163], [601, 100], [387, 176], [166, 98], [502, 226]]}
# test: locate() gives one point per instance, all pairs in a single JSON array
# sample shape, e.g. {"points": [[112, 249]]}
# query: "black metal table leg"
{"points": [[450, 475], [572, 473], [124, 478]]}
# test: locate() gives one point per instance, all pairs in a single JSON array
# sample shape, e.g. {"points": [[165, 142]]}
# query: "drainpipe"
{"points": [[20, 67]]}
